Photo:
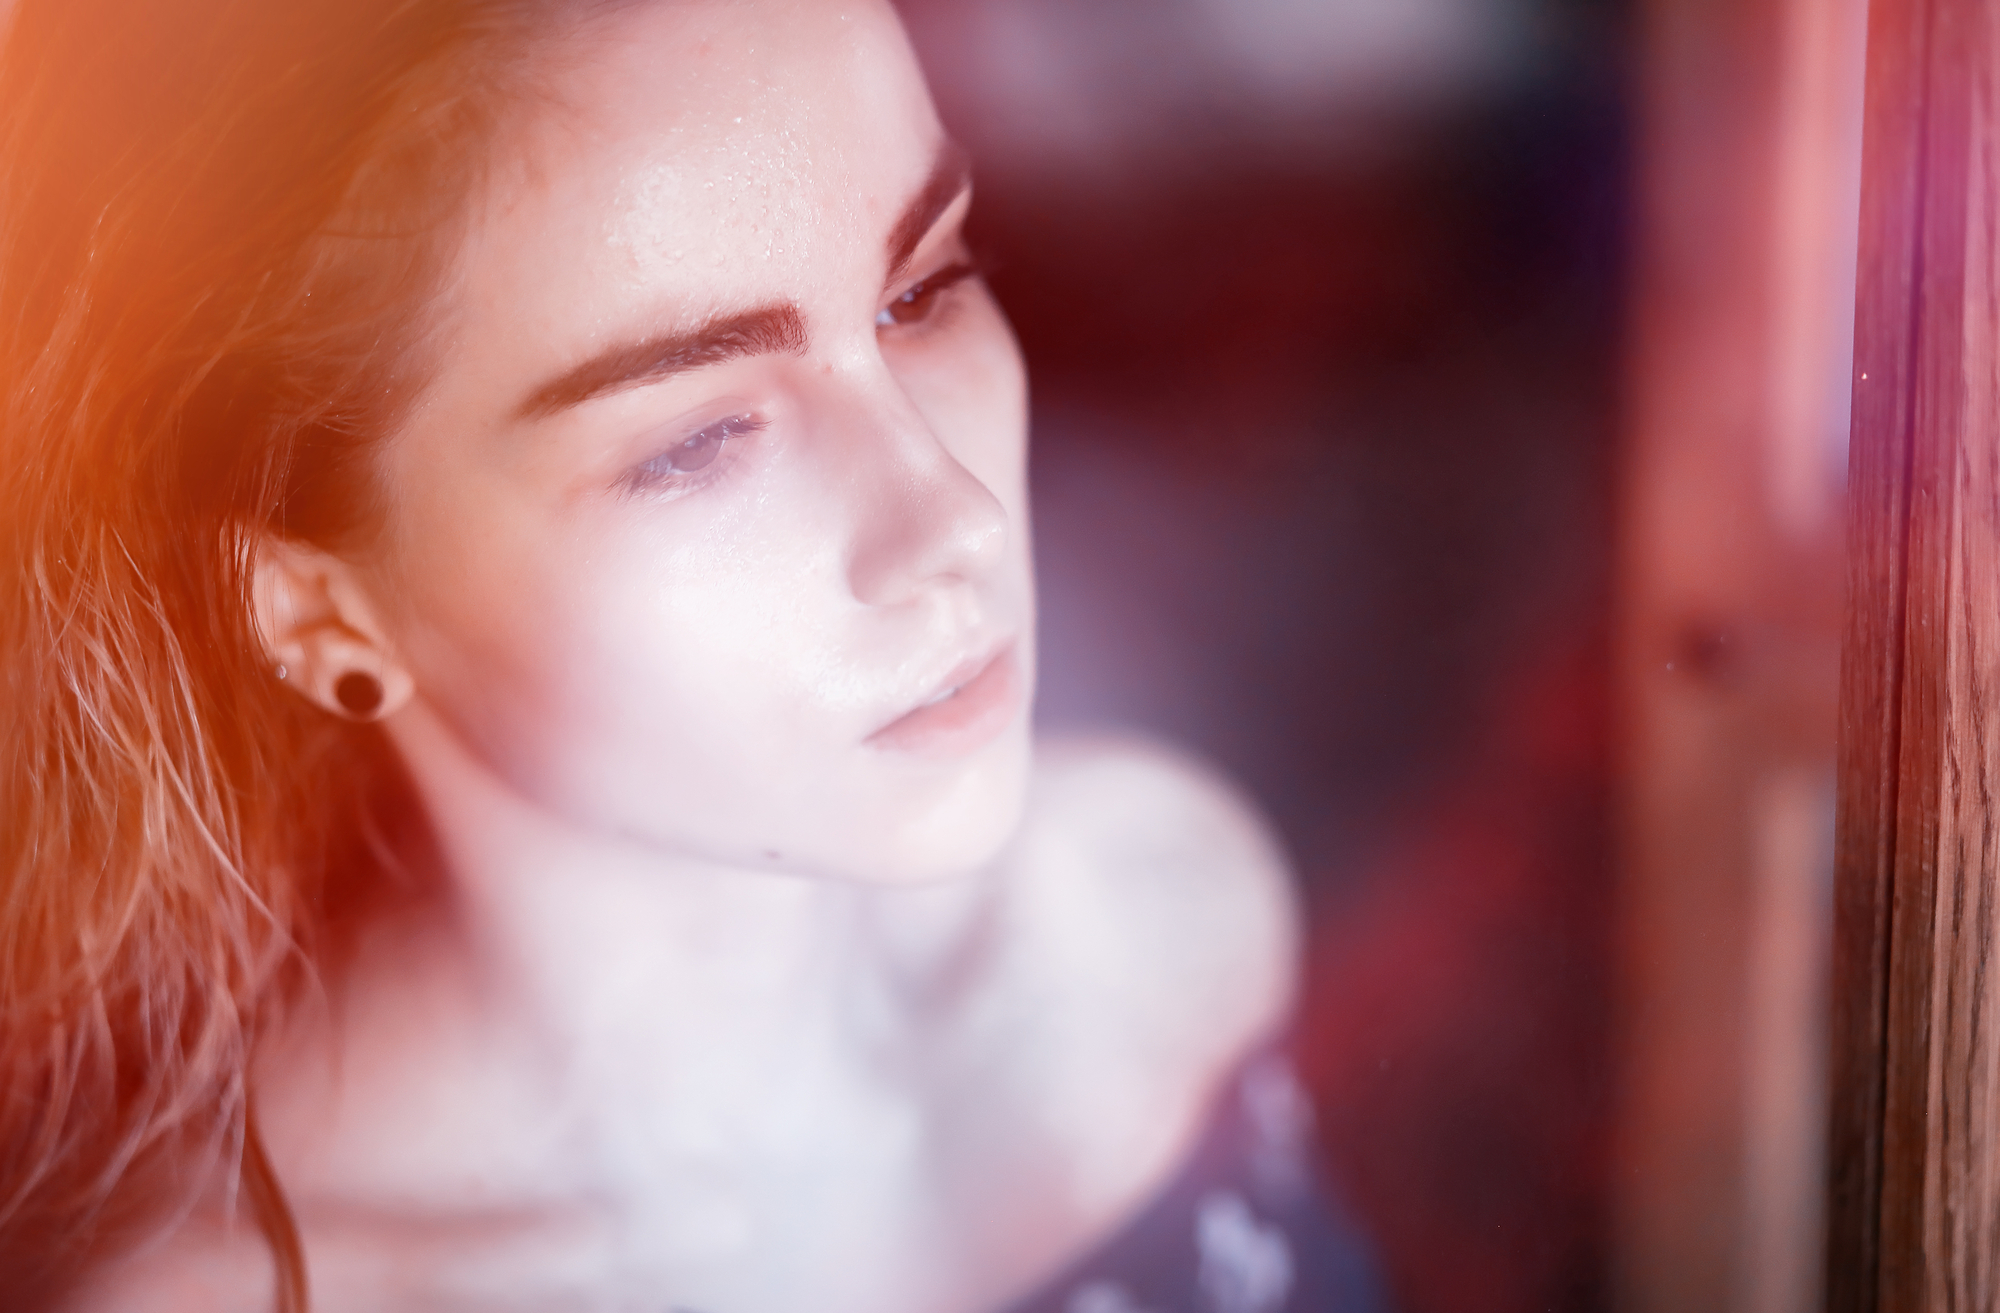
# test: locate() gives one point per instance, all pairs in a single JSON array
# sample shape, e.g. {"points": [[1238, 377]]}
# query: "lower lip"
{"points": [[970, 718]]}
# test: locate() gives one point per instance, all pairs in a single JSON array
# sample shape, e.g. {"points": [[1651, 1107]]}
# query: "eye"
{"points": [[920, 302], [694, 453]]}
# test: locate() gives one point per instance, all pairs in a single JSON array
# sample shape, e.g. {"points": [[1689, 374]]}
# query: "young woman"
{"points": [[519, 631]]}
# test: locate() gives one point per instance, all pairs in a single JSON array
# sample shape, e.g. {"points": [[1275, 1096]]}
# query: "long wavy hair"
{"points": [[224, 227]]}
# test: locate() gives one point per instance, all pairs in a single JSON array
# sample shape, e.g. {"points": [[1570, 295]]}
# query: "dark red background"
{"points": [[1324, 436]]}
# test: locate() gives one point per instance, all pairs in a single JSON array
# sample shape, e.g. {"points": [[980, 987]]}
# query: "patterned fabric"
{"points": [[1246, 1227]]}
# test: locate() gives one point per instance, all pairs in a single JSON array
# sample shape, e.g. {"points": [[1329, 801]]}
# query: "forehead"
{"points": [[718, 152]]}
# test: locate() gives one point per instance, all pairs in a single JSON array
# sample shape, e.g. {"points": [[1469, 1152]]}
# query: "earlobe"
{"points": [[322, 635]]}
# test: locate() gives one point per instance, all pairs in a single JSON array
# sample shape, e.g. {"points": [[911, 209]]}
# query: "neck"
{"points": [[605, 946]]}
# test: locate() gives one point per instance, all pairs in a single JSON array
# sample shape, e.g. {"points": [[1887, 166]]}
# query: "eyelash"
{"points": [[922, 295], [659, 476]]}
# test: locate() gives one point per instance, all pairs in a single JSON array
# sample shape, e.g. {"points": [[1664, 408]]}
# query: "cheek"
{"points": [[605, 661]]}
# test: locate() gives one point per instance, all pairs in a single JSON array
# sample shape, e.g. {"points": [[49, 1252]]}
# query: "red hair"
{"points": [[224, 225]]}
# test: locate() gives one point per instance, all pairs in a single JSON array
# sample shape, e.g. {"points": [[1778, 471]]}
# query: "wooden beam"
{"points": [[1914, 1201]]}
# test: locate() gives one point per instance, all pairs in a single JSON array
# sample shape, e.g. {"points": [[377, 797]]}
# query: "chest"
{"points": [[664, 1164]]}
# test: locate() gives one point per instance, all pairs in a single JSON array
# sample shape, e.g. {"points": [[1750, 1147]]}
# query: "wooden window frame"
{"points": [[1914, 1187]]}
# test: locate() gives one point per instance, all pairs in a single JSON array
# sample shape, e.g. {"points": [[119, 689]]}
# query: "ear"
{"points": [[322, 634]]}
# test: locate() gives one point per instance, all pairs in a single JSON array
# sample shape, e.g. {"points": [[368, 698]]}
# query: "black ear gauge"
{"points": [[359, 694]]}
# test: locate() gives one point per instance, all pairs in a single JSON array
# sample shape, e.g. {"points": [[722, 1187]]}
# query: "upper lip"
{"points": [[956, 678]]}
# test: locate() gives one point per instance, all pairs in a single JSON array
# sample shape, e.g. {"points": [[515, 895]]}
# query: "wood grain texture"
{"points": [[1872, 661], [1961, 1201], [1914, 1208]]}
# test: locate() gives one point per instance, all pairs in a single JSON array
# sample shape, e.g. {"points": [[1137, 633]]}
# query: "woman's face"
{"points": [[718, 493]]}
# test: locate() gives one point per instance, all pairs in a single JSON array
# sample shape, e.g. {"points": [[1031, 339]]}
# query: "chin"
{"points": [[963, 826]]}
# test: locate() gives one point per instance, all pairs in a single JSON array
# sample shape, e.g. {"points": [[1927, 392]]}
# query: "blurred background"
{"points": [[1325, 309]]}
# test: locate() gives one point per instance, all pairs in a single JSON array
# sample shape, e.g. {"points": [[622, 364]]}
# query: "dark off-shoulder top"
{"points": [[1247, 1226]]}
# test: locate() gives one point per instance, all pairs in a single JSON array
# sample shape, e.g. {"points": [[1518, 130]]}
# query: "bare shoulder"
{"points": [[1173, 877]]}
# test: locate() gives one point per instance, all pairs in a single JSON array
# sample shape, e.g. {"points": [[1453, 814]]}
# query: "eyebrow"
{"points": [[767, 330]]}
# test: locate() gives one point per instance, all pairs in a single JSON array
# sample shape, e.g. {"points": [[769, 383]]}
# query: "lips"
{"points": [[974, 704]]}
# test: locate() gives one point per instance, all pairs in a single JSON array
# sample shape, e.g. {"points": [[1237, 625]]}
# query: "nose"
{"points": [[922, 519]]}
